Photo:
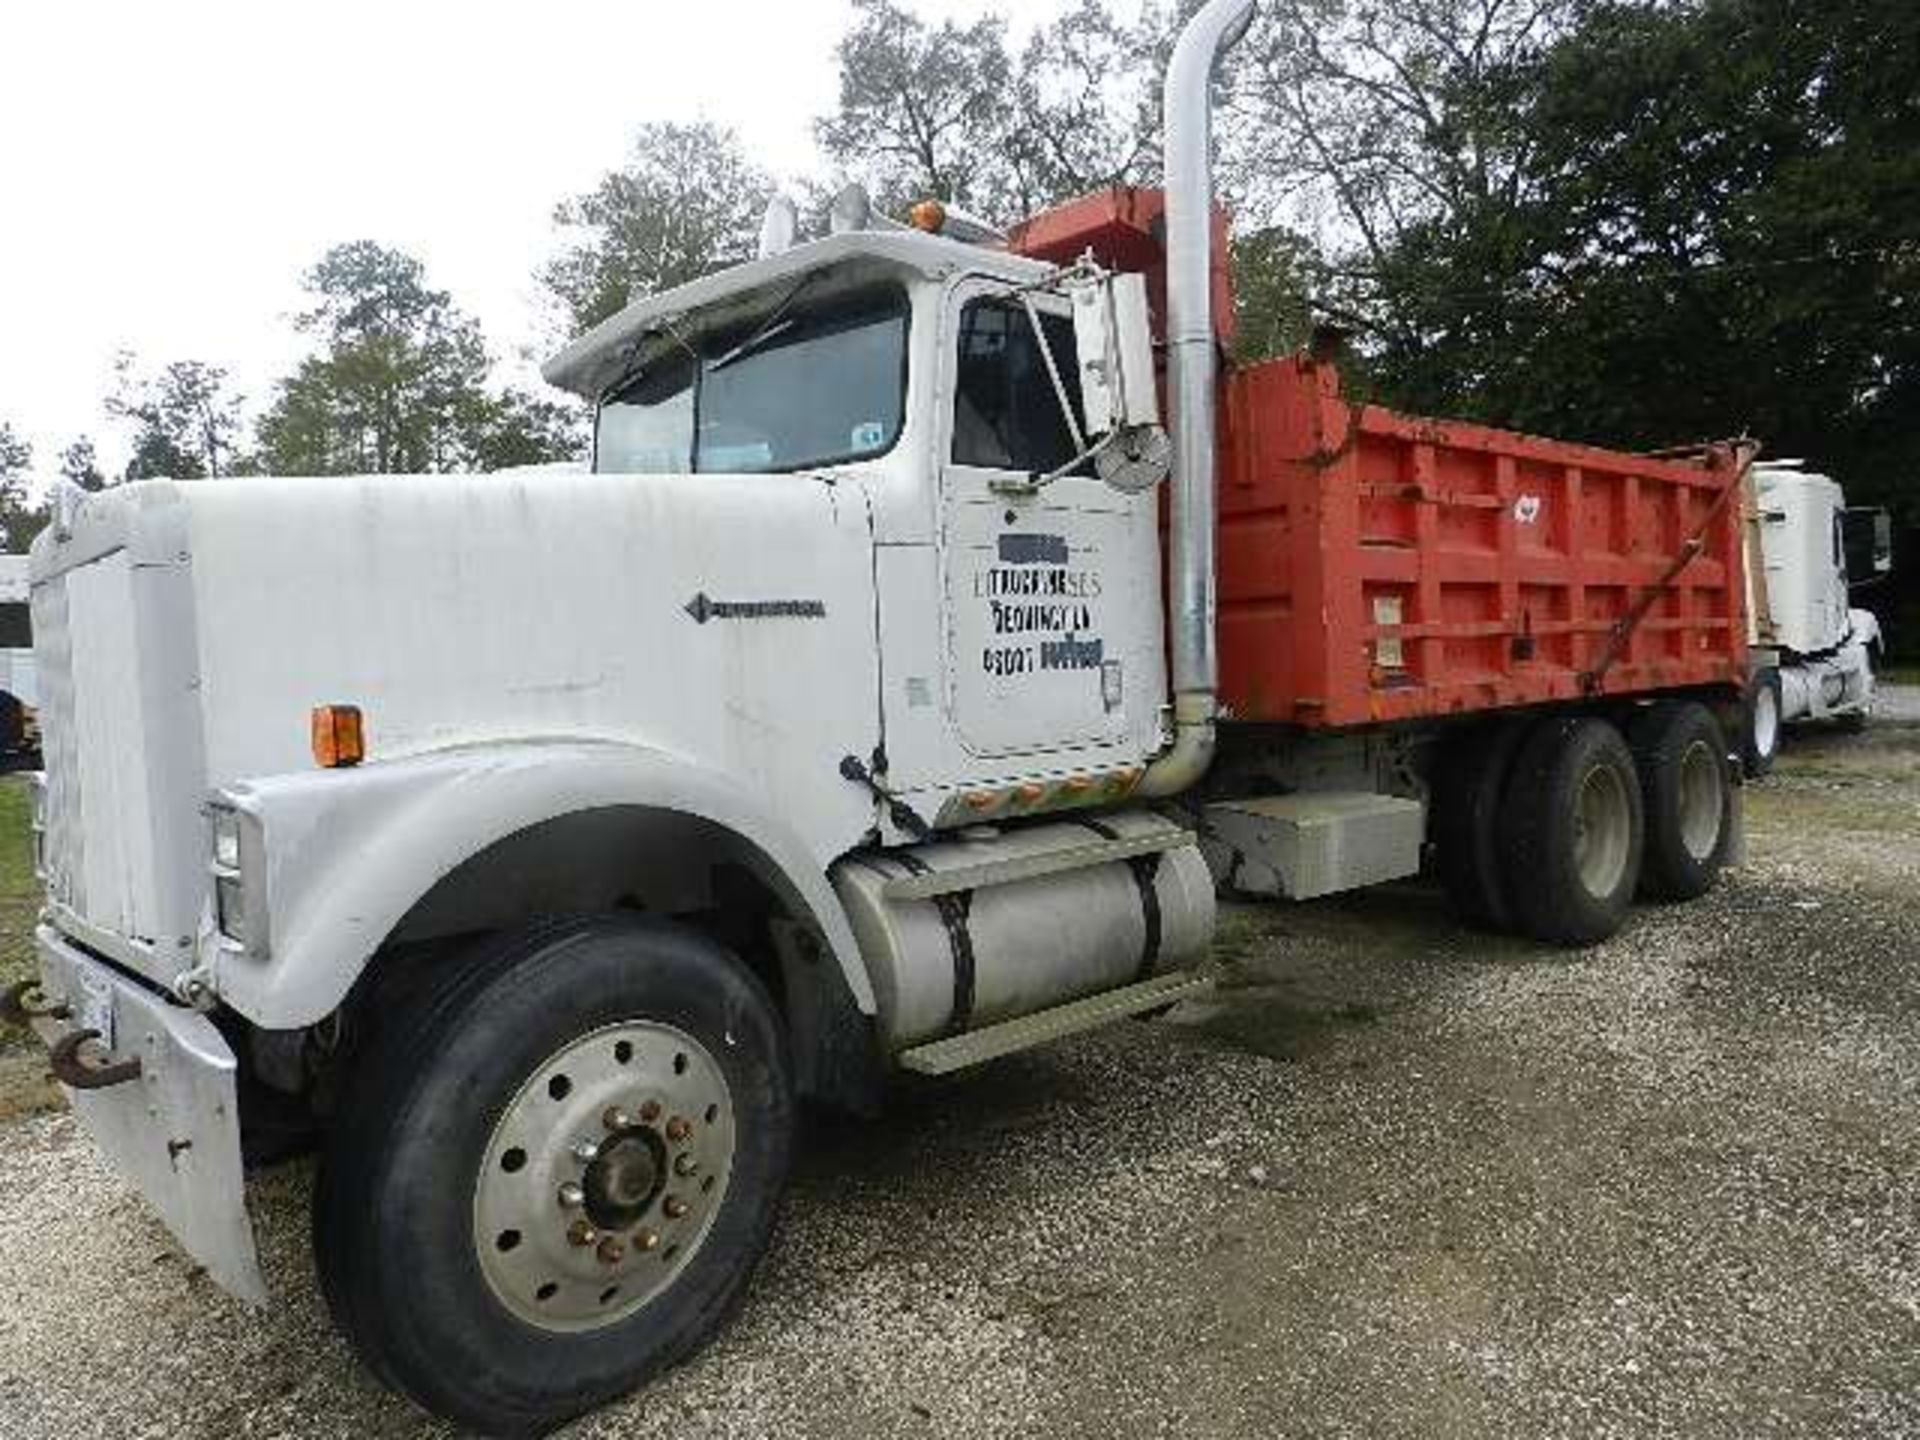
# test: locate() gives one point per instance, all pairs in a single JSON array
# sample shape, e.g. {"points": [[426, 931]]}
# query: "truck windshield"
{"points": [[821, 385]]}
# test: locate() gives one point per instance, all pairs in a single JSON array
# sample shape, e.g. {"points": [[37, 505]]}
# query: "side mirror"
{"points": [[1118, 394]]}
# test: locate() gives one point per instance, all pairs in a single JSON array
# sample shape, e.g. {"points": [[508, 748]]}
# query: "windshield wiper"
{"points": [[775, 324]]}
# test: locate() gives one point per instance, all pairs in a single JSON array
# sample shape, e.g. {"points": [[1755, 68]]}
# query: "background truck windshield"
{"points": [[814, 387]]}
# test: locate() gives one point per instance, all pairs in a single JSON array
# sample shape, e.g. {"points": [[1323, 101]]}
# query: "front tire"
{"points": [[1571, 832], [552, 1177], [1760, 738]]}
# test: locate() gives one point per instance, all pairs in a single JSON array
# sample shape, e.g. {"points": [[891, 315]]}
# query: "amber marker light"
{"points": [[339, 736], [928, 215]]}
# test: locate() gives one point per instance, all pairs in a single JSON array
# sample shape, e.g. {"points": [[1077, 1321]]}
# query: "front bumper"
{"points": [[171, 1123]]}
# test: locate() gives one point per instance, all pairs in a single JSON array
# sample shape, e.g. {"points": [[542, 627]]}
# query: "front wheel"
{"points": [[553, 1176], [1760, 740]]}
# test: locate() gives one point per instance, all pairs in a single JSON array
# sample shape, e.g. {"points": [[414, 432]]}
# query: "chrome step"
{"points": [[957, 1052]]}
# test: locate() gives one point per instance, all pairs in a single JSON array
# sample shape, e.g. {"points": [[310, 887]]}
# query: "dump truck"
{"points": [[893, 690]]}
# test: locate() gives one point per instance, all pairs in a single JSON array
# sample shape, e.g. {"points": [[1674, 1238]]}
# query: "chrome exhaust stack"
{"points": [[1217, 27]]}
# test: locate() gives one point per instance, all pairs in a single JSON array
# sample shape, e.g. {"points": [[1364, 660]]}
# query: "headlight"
{"points": [[235, 866], [226, 840], [230, 907]]}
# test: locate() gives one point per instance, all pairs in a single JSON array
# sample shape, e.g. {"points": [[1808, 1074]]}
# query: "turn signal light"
{"points": [[928, 215], [339, 736]]}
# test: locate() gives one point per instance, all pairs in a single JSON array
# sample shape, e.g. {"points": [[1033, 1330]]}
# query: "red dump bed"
{"points": [[1376, 566]]}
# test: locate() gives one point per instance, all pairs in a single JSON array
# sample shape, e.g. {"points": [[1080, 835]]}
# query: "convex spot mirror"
{"points": [[1119, 397]]}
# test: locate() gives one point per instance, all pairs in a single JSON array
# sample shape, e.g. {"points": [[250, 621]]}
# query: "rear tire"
{"points": [[1688, 798], [1760, 738], [476, 1257], [1571, 832], [1468, 786]]}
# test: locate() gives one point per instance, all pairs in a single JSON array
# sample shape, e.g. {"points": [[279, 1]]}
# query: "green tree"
{"points": [[923, 109], [397, 382], [81, 466], [20, 518], [184, 420], [950, 111], [686, 202], [1086, 105], [1710, 224], [1382, 128]]}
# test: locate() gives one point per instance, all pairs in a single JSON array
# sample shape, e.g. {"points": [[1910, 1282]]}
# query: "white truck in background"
{"points": [[1813, 650], [19, 679]]}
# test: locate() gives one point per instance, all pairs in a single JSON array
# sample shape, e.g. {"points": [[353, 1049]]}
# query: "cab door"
{"points": [[1049, 591]]}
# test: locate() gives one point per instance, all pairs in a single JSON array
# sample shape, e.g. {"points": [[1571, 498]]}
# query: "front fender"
{"points": [[339, 857]]}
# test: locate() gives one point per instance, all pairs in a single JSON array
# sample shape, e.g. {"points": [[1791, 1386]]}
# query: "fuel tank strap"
{"points": [[1145, 870], [953, 906]]}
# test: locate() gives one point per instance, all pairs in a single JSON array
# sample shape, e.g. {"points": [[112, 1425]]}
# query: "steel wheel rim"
{"points": [[1700, 801], [602, 1177], [1602, 831], [1766, 720]]}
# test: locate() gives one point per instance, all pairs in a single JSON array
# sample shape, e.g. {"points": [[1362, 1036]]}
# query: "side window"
{"points": [[1006, 414]]}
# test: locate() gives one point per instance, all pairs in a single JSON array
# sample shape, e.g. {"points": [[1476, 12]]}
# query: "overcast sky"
{"points": [[168, 170]]}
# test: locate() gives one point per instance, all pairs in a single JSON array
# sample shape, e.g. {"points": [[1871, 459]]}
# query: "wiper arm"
{"points": [[773, 325], [752, 343]]}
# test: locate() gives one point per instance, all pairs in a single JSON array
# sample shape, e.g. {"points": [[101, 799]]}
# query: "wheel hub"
{"points": [[603, 1175], [625, 1178], [1602, 831]]}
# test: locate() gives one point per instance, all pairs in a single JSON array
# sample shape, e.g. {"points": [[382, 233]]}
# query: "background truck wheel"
{"points": [[1760, 737], [1571, 832], [1469, 780], [556, 1180], [1687, 796]]}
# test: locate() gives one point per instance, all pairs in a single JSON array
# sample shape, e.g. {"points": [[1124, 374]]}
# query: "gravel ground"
{"points": [[1397, 1180]]}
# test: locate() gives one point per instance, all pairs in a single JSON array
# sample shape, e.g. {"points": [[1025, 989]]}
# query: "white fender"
{"points": [[343, 855]]}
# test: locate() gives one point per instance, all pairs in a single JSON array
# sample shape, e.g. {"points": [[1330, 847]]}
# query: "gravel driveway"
{"points": [[1398, 1180]]}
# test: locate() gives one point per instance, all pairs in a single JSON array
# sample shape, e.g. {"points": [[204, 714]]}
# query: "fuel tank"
{"points": [[996, 923]]}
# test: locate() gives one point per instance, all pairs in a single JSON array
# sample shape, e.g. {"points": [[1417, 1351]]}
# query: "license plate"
{"points": [[96, 1009]]}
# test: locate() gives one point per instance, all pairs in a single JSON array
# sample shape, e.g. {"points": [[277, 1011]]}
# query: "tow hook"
{"points": [[22, 1003], [67, 1051]]}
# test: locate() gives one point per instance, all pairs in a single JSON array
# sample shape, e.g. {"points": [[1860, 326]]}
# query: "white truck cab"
{"points": [[19, 679], [1812, 650]]}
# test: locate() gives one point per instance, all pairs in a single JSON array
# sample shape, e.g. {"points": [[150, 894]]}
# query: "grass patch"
{"points": [[1900, 675], [19, 888], [24, 1086]]}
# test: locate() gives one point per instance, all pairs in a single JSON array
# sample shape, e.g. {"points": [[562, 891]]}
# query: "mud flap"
{"points": [[173, 1126]]}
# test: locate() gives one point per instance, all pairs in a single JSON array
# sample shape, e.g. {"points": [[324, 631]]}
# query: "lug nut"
{"points": [[612, 1250], [645, 1240], [673, 1207], [685, 1165], [650, 1111], [616, 1119], [586, 1151], [572, 1197], [582, 1233], [678, 1128]]}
